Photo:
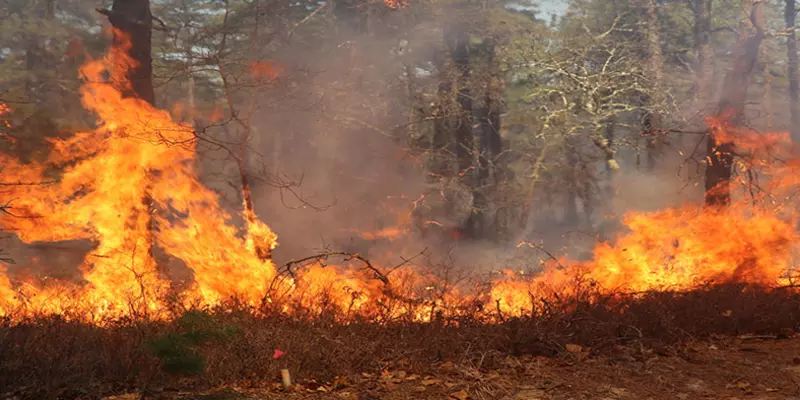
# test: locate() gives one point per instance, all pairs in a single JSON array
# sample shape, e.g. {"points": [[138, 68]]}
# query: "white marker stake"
{"points": [[287, 379]]}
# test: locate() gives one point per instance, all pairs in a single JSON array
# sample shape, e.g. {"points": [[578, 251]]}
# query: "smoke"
{"points": [[338, 126]]}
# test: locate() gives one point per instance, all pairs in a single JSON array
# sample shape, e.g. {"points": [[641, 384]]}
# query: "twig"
{"points": [[304, 20], [20, 183], [349, 256], [543, 250]]}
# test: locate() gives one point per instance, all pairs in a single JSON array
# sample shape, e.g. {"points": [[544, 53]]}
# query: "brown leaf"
{"points": [[530, 394], [743, 385], [430, 381], [340, 382], [460, 395], [447, 366], [574, 348]]}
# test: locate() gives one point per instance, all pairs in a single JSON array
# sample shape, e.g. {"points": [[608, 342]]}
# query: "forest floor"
{"points": [[722, 368]]}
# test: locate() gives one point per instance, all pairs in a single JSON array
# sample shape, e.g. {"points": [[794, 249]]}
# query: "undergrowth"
{"points": [[50, 357]]}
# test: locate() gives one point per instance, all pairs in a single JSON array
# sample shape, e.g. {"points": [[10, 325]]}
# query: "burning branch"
{"points": [[324, 256]]}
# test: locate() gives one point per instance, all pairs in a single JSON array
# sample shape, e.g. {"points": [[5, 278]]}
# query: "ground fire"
{"points": [[137, 148]]}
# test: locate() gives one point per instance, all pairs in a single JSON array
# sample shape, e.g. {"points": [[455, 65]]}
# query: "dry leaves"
{"points": [[460, 395]]}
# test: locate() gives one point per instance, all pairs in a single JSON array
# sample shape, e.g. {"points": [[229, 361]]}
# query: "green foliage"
{"points": [[179, 350]]}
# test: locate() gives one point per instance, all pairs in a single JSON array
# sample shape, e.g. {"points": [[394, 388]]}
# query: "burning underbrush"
{"points": [[235, 344]]}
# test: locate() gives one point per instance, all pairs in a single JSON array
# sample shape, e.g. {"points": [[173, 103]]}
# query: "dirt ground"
{"points": [[725, 368]]}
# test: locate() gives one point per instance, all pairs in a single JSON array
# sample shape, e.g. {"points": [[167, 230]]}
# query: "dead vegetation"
{"points": [[51, 357]]}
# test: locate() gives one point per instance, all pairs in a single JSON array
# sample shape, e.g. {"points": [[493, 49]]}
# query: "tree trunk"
{"points": [[705, 54], [655, 62], [188, 43], [133, 22], [490, 144], [37, 57], [457, 40], [766, 104], [731, 110], [790, 15], [609, 127], [571, 206]]}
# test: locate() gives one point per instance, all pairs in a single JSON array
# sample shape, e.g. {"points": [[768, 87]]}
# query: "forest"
{"points": [[368, 199]]}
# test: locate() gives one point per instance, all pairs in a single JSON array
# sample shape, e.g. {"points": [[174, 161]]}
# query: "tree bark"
{"points": [[571, 206], [790, 15], [766, 104], [133, 22], [133, 25], [490, 144], [458, 41], [705, 54], [188, 43], [731, 110], [655, 62], [36, 56]]}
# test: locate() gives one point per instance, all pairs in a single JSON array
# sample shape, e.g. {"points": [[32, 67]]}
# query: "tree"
{"points": [[652, 120], [133, 25], [790, 17], [704, 51], [720, 154], [132, 40]]}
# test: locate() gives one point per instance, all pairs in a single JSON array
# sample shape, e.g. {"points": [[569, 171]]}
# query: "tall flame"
{"points": [[137, 152]]}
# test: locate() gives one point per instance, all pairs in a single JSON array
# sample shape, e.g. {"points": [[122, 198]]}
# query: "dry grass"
{"points": [[49, 358]]}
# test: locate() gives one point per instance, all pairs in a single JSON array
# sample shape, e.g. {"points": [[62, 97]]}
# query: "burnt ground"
{"points": [[743, 367]]}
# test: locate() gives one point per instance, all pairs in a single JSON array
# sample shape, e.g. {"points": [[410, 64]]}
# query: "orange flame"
{"points": [[137, 152], [396, 4], [264, 69], [131, 184]]}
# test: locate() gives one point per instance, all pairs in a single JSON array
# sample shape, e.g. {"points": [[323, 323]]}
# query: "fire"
{"points": [[396, 4], [264, 69], [117, 182], [130, 186]]}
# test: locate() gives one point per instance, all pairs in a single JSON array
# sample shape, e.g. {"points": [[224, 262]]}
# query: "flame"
{"points": [[116, 181], [396, 4], [264, 69], [130, 186]]}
